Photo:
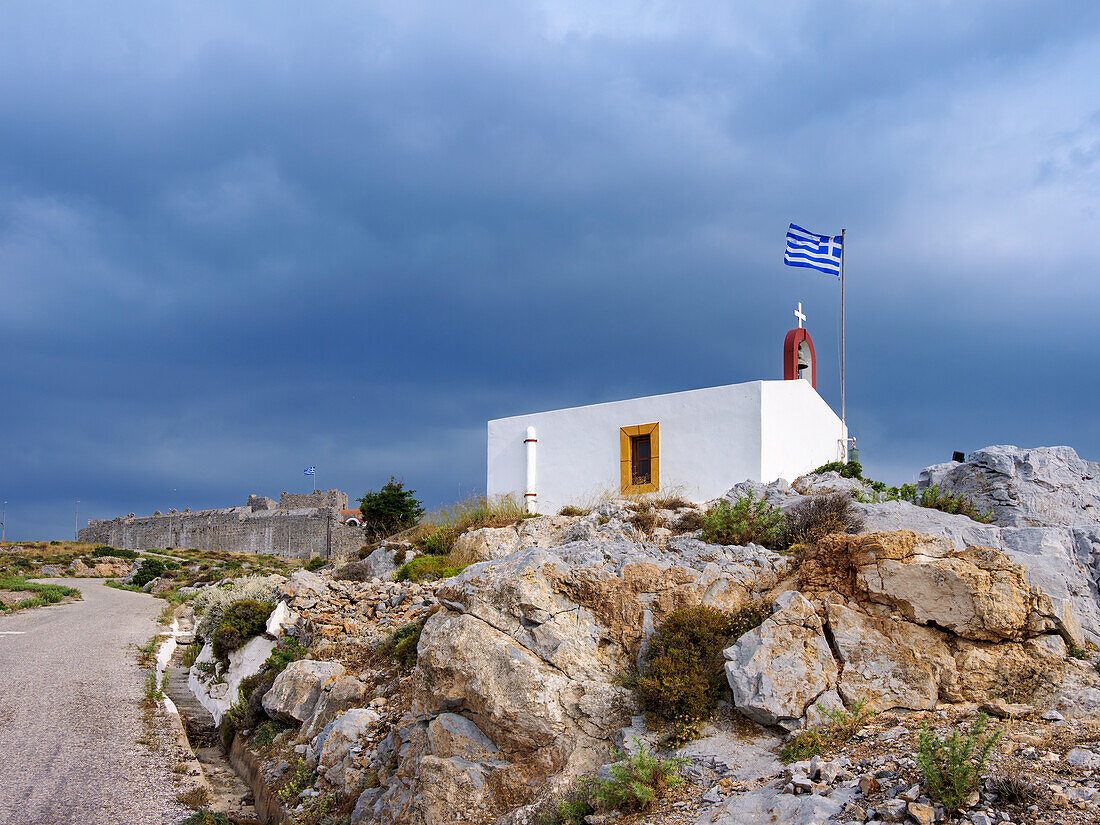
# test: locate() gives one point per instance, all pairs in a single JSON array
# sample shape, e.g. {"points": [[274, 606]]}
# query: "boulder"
{"points": [[293, 696], [781, 667], [336, 696], [281, 617], [335, 744], [485, 544], [382, 563], [881, 663]]}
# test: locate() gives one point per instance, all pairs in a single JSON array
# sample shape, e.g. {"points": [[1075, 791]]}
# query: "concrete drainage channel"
{"points": [[199, 737]]}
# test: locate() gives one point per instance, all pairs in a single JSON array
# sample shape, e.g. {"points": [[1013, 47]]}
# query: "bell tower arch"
{"points": [[798, 353]]}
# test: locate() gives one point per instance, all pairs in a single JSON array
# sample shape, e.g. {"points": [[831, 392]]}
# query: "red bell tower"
{"points": [[798, 352]]}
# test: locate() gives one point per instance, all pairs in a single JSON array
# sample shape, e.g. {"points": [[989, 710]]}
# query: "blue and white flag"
{"points": [[310, 471], [820, 252]]}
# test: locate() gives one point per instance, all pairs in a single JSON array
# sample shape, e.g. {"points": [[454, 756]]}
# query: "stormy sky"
{"points": [[240, 239]]}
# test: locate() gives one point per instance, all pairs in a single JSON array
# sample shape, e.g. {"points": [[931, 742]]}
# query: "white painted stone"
{"points": [[282, 616], [219, 696], [710, 439]]}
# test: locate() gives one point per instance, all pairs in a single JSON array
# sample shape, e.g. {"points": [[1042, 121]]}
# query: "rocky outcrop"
{"points": [[104, 566], [490, 543], [1039, 487], [528, 651]]}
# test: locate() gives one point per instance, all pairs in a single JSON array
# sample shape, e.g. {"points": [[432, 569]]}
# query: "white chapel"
{"points": [[698, 443]]}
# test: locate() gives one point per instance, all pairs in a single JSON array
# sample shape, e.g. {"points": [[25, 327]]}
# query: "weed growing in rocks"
{"points": [[315, 564], [213, 602], [841, 724], [644, 518], [637, 783], [191, 653], [805, 744], [572, 510], [1014, 790], [153, 692], [683, 678], [402, 643], [428, 568], [437, 535], [289, 650], [746, 521], [206, 818], [952, 768], [196, 797], [570, 810], [298, 781], [817, 516]]}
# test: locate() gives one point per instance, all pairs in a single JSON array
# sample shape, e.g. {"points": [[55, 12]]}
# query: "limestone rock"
{"points": [[295, 692], [218, 696], [1043, 486], [778, 669], [485, 544], [976, 593], [281, 617], [451, 735], [881, 663], [336, 696], [770, 805], [335, 743]]}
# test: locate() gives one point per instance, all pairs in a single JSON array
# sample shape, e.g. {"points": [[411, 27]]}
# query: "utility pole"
{"points": [[4, 524], [76, 522]]}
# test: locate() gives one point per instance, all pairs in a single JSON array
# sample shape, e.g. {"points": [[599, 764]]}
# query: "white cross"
{"points": [[798, 314]]}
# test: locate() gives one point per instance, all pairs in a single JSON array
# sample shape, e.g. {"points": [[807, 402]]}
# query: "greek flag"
{"points": [[820, 252], [310, 471]]}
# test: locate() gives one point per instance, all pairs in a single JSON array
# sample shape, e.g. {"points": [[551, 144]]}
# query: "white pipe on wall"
{"points": [[531, 495]]}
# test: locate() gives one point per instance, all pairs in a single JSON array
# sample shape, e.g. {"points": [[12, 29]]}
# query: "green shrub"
{"points": [[850, 469], [402, 643], [840, 726], [428, 567], [242, 620], [936, 499], [746, 521], [44, 593], [815, 517], [804, 744], [191, 653], [316, 563], [683, 677], [440, 530], [150, 569], [952, 768], [206, 818], [301, 779], [637, 783], [572, 510], [102, 551], [390, 510], [288, 650], [571, 809], [212, 602]]}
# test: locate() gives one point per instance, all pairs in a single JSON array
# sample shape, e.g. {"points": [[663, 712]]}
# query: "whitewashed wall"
{"points": [[799, 431], [710, 439]]}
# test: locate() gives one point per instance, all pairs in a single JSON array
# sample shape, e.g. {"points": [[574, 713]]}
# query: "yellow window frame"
{"points": [[625, 477]]}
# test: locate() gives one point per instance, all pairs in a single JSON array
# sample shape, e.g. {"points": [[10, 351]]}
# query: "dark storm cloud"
{"points": [[237, 241]]}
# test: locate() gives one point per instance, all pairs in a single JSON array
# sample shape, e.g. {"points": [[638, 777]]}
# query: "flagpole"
{"points": [[843, 332]]}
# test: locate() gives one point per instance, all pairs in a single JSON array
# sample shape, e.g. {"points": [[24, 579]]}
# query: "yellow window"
{"points": [[640, 458]]}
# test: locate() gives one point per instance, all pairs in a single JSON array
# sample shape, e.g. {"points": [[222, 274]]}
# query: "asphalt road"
{"points": [[71, 715]]}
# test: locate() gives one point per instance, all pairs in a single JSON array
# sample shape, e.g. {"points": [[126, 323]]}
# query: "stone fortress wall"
{"points": [[299, 525]]}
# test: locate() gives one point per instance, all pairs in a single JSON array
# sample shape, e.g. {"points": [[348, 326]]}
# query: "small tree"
{"points": [[390, 510]]}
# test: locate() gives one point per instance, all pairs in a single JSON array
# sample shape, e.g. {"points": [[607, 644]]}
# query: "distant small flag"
{"points": [[813, 251], [310, 471]]}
